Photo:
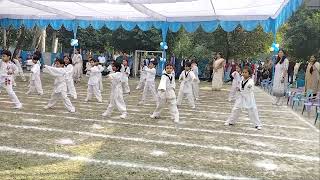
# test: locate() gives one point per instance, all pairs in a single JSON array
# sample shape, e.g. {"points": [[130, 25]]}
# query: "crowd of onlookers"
{"points": [[262, 69]]}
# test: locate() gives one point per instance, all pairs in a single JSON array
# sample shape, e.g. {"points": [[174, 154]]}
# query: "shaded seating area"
{"points": [[298, 98]]}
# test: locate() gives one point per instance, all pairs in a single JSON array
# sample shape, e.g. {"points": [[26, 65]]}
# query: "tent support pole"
{"points": [[164, 32], [75, 29], [274, 55]]}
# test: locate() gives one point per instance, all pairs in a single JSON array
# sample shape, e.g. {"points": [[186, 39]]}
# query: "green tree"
{"points": [[97, 40], [244, 44], [302, 33], [136, 39], [237, 44], [183, 44], [21, 37], [214, 42]]}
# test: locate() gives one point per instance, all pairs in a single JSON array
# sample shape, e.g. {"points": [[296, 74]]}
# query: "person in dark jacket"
{"points": [[292, 63]]}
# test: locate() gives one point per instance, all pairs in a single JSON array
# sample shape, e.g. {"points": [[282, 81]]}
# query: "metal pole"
{"points": [[75, 37]]}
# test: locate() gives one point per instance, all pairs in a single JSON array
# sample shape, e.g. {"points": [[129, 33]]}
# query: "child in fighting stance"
{"points": [[116, 95], [167, 95], [150, 85], [94, 81], [125, 71], [71, 90], [7, 70], [235, 83], [245, 100], [187, 77], [60, 86], [35, 80]]}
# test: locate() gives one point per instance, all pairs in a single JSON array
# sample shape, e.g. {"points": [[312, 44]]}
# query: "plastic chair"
{"points": [[293, 93], [308, 101], [316, 101], [307, 105], [294, 84], [307, 95], [290, 97], [269, 87], [288, 93], [296, 99], [265, 83]]}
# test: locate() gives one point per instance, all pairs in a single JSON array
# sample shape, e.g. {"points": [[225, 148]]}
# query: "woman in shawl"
{"points": [[312, 75], [217, 79], [280, 80]]}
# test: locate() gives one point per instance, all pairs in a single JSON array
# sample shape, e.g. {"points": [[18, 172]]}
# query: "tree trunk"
{"points": [[55, 42], [35, 41], [4, 32], [43, 40], [228, 46], [18, 42], [39, 41], [54, 36]]}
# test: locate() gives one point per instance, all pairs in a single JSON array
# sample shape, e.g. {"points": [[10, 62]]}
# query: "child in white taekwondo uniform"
{"points": [[195, 84], [101, 69], [116, 95], [235, 83], [18, 61], [7, 70], [94, 81], [167, 95], [71, 90], [125, 71], [54, 62], [143, 75], [109, 68], [173, 73], [150, 85], [186, 78], [245, 100], [35, 84], [88, 65], [60, 85]]}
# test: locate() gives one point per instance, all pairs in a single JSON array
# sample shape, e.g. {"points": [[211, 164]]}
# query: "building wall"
{"points": [[313, 4]]}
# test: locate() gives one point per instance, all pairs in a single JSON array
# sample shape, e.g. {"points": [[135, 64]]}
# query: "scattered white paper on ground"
{"points": [[66, 141], [31, 120], [158, 153], [97, 126], [267, 165]]}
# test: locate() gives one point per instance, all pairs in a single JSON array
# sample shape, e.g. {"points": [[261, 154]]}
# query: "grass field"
{"points": [[54, 144]]}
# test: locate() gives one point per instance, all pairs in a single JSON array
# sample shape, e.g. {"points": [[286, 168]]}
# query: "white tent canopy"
{"points": [[143, 10], [145, 14]]}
